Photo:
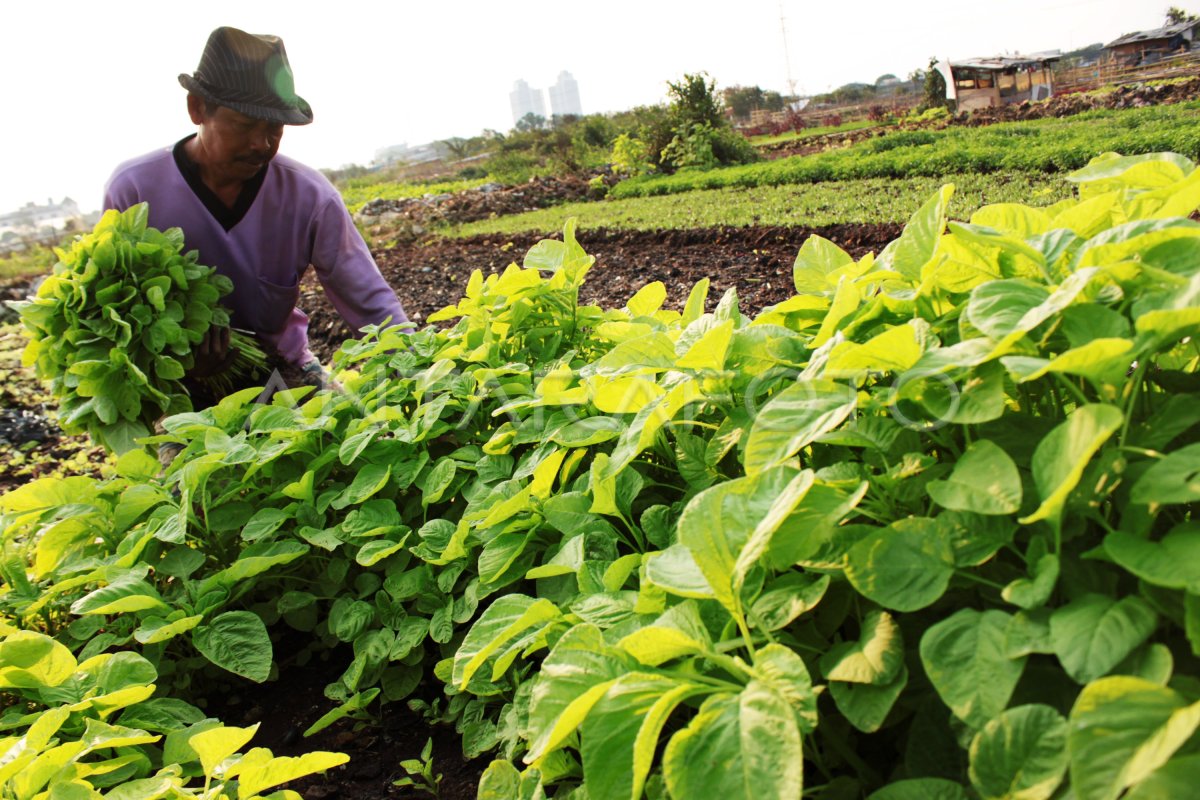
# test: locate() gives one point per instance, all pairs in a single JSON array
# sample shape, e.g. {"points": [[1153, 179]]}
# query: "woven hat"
{"points": [[250, 74]]}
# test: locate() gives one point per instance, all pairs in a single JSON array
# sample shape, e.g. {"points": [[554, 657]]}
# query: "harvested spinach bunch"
{"points": [[113, 327]]}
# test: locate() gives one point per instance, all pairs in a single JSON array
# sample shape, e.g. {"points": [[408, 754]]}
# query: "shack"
{"points": [[999, 80], [1148, 47]]}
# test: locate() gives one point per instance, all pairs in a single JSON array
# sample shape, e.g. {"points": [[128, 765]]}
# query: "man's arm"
{"points": [[347, 271]]}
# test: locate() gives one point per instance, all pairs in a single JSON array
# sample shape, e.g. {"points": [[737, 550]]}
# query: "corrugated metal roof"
{"points": [[1165, 32], [1016, 61]]}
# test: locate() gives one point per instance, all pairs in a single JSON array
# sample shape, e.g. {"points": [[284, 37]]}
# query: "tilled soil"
{"points": [[432, 274]]}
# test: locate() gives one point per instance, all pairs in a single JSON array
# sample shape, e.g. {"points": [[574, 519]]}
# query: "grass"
{"points": [[808, 133], [1047, 145], [21, 265], [872, 200], [357, 192]]}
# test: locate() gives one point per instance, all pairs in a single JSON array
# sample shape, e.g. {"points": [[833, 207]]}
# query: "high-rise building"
{"points": [[564, 97], [526, 100]]}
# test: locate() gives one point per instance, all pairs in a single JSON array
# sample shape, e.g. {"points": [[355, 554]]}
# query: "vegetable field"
{"points": [[914, 522]]}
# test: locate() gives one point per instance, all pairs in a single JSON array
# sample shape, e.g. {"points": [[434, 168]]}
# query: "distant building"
{"points": [[999, 80], [1146, 47], [32, 218], [526, 100], [564, 97]]}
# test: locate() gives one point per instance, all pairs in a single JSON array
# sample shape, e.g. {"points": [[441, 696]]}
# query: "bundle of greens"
{"points": [[113, 327]]}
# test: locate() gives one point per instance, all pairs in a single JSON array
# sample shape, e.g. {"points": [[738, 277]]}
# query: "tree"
{"points": [[1176, 15], [694, 100], [531, 122], [457, 146], [742, 100], [935, 87]]}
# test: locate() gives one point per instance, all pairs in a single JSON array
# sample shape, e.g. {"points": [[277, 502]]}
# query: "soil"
{"points": [[431, 274], [482, 202], [286, 707]]}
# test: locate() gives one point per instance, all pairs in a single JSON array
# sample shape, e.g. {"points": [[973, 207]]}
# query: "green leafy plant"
{"points": [[922, 529], [421, 776], [92, 726], [113, 327]]}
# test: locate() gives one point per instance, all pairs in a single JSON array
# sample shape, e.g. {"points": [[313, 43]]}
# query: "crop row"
{"points": [[922, 530], [1049, 145], [871, 200]]}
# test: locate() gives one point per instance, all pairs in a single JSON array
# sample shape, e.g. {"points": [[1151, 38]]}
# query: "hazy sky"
{"points": [[86, 85]]}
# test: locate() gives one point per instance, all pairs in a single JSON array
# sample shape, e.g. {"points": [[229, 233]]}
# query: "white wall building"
{"points": [[32, 218], [564, 97], [526, 100]]}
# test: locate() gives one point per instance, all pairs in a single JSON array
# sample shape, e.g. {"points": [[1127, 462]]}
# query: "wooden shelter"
{"points": [[1147, 47], [999, 80]]}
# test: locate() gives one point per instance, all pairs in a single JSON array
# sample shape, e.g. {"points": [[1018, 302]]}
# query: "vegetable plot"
{"points": [[922, 530], [113, 327]]}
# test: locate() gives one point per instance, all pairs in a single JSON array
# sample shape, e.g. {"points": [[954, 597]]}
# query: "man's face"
{"points": [[235, 143]]}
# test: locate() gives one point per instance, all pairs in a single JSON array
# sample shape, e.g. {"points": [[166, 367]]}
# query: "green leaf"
{"points": [[1177, 778], [966, 661], [921, 789], [877, 657], [817, 260], [236, 641], [728, 527], [217, 744], [904, 567], [998, 307], [573, 677], [788, 597], [1031, 594], [917, 244], [369, 480], [1174, 479], [350, 618], [1063, 455], [793, 419], [620, 735], [1122, 730], [509, 617], [30, 660], [1020, 755], [866, 706], [675, 569], [1094, 633], [738, 747], [127, 593], [1173, 561], [267, 771], [786, 673], [984, 480]]}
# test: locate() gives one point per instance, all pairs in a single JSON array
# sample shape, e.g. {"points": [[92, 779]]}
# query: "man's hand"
{"points": [[213, 354], [313, 374]]}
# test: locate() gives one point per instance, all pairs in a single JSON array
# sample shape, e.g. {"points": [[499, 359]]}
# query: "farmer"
{"points": [[260, 218]]}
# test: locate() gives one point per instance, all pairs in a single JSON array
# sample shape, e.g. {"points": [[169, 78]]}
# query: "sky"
{"points": [[86, 85]]}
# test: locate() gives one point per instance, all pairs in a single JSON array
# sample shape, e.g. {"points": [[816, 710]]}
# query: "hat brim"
{"points": [[300, 115]]}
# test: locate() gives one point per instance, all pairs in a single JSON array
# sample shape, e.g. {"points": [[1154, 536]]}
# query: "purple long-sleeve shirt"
{"points": [[296, 219]]}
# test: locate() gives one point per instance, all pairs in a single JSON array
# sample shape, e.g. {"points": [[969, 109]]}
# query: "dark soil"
{"points": [[430, 275], [489, 200], [285, 708]]}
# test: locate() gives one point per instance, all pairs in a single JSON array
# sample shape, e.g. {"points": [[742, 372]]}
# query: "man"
{"points": [[260, 218]]}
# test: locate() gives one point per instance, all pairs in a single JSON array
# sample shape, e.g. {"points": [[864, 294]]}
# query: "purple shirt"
{"points": [[297, 219]]}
